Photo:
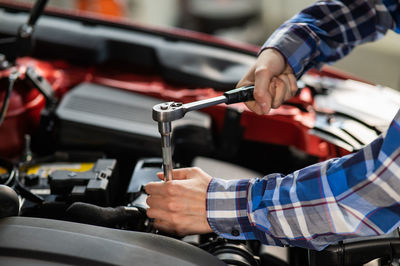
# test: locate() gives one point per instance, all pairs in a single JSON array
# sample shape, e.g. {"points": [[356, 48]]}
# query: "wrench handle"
{"points": [[242, 94]]}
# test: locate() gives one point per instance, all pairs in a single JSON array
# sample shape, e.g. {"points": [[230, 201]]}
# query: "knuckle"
{"points": [[175, 220], [280, 84], [179, 229], [293, 90], [150, 213], [157, 223], [149, 201], [171, 188], [172, 206], [196, 170], [147, 188], [259, 95], [262, 70], [174, 231], [178, 187]]}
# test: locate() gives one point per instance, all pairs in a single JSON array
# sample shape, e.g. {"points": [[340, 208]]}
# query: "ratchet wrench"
{"points": [[165, 113]]}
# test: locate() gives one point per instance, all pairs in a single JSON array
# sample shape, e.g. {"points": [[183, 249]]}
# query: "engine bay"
{"points": [[78, 143]]}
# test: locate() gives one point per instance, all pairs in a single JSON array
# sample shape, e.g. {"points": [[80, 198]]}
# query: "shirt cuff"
{"points": [[227, 211], [227, 207], [298, 44]]}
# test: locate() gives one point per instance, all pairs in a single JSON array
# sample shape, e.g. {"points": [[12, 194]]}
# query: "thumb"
{"points": [[160, 175], [177, 174]]}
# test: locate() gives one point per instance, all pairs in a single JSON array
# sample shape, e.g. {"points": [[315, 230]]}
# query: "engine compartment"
{"points": [[78, 142]]}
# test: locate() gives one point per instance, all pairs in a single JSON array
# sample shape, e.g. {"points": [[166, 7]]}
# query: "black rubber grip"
{"points": [[242, 94]]}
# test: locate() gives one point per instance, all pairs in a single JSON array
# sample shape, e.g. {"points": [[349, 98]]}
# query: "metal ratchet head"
{"points": [[168, 111]]}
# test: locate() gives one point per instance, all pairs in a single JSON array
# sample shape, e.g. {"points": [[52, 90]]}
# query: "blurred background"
{"points": [[248, 21]]}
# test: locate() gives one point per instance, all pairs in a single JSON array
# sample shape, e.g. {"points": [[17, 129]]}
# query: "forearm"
{"points": [[356, 195], [329, 30]]}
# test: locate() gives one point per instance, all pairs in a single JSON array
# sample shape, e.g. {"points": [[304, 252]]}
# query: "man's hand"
{"points": [[179, 206], [273, 79]]}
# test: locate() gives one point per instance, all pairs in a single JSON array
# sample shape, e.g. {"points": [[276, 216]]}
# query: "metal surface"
{"points": [[165, 130]]}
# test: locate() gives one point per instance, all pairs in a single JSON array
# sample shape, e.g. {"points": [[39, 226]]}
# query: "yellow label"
{"points": [[43, 170], [3, 170]]}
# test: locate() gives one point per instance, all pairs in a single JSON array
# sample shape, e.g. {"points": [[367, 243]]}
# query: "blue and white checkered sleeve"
{"points": [[352, 196], [227, 211], [329, 30]]}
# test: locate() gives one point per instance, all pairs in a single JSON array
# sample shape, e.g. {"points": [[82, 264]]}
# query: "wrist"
{"points": [[276, 52], [227, 208]]}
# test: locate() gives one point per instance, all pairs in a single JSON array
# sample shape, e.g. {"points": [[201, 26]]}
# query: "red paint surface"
{"points": [[287, 125]]}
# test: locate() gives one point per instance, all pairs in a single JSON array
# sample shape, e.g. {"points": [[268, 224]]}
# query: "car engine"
{"points": [[78, 143]]}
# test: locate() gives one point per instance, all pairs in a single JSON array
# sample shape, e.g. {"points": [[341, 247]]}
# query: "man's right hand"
{"points": [[273, 79]]}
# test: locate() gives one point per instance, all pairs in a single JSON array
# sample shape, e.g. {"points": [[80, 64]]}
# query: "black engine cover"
{"points": [[35, 241]]}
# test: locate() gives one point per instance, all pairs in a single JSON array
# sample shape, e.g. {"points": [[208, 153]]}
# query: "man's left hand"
{"points": [[179, 206]]}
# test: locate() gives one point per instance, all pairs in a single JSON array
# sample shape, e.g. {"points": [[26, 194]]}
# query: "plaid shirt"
{"points": [[355, 195], [329, 30]]}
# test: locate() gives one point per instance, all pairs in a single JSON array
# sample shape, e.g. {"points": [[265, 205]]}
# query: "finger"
{"points": [[164, 226], [288, 93], [177, 174], [183, 225], [292, 80], [160, 175], [247, 80], [155, 188], [282, 89], [154, 200], [187, 173], [157, 213], [166, 204], [293, 84], [253, 106], [181, 173], [261, 93]]}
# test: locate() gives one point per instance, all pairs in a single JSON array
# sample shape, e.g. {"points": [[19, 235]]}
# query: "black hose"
{"points": [[356, 253]]}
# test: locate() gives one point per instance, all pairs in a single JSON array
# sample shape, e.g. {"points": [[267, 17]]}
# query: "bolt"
{"points": [[176, 104], [165, 106]]}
